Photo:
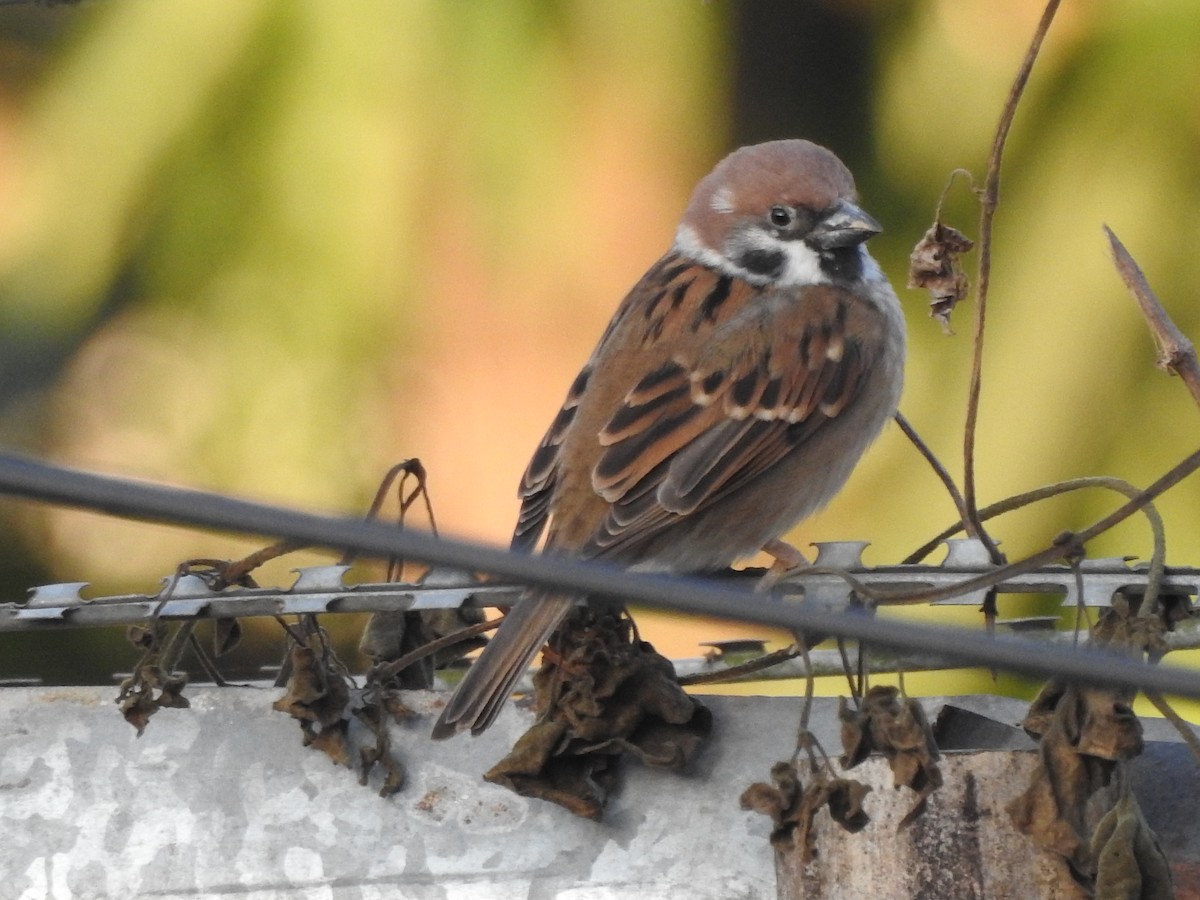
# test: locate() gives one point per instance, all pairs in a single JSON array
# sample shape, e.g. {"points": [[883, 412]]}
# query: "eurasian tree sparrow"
{"points": [[732, 393]]}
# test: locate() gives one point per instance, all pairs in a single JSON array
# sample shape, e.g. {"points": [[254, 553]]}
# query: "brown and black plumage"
{"points": [[732, 393]]}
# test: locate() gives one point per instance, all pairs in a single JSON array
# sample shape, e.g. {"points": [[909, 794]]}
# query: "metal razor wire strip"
{"points": [[33, 480]]}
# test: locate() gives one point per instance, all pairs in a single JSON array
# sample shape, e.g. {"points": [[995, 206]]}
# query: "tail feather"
{"points": [[488, 683]]}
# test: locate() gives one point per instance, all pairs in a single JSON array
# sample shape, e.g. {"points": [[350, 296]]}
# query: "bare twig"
{"points": [[856, 676], [235, 572], [1158, 558], [1066, 545], [1176, 353], [766, 661], [988, 204], [1185, 730], [1017, 501], [935, 464], [398, 475], [209, 667], [395, 666], [238, 570]]}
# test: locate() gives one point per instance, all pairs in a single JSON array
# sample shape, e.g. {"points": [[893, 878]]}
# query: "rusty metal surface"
{"points": [[963, 847]]}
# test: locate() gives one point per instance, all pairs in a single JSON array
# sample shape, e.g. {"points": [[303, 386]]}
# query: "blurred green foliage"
{"points": [[271, 246]]}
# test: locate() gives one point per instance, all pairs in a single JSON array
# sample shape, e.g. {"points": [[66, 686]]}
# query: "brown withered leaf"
{"points": [[793, 807], [317, 696], [329, 739], [1130, 862], [148, 690], [379, 706], [846, 803], [934, 265], [782, 800], [856, 734], [600, 695], [895, 726], [1097, 722], [539, 766], [1079, 803], [315, 692], [395, 775], [147, 637]]}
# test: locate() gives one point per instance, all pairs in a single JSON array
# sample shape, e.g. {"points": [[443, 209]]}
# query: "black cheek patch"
{"points": [[842, 264], [762, 262]]}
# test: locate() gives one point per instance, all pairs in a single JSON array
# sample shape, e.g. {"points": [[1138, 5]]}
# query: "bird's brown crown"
{"points": [[750, 180]]}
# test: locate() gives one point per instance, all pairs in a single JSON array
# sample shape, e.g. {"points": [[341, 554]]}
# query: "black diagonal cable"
{"points": [[33, 480]]}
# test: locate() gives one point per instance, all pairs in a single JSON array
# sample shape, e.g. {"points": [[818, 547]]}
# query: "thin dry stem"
{"points": [[396, 666], [766, 661], [1157, 529], [965, 173], [1176, 353], [1017, 501], [240, 569], [988, 204], [1185, 730], [1066, 545], [947, 480]]}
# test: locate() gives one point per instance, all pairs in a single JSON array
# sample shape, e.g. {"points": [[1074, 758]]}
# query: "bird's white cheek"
{"points": [[688, 243], [803, 265]]}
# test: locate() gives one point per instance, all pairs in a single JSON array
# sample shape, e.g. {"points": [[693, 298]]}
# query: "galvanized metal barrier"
{"points": [[221, 801]]}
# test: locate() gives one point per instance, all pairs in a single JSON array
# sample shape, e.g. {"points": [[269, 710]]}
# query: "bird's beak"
{"points": [[843, 226]]}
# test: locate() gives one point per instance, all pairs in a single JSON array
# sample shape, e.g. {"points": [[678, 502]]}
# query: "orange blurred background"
{"points": [[271, 247]]}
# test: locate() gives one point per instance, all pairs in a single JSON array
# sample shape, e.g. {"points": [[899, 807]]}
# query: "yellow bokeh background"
{"points": [[271, 247]]}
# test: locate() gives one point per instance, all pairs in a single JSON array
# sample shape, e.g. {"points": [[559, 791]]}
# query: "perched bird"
{"points": [[732, 393]]}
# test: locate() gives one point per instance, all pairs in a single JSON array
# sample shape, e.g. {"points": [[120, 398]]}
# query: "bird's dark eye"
{"points": [[781, 216]]}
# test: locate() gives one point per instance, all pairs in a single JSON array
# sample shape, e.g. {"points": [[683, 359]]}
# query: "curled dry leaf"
{"points": [[148, 690], [1129, 860], [600, 694], [329, 739], [934, 265], [895, 726], [317, 696], [1079, 804], [793, 807], [150, 687], [378, 707], [846, 803]]}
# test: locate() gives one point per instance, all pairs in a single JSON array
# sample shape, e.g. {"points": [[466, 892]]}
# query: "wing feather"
{"points": [[541, 475], [694, 430]]}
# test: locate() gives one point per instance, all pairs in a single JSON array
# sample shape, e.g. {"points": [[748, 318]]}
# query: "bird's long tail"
{"points": [[490, 680]]}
